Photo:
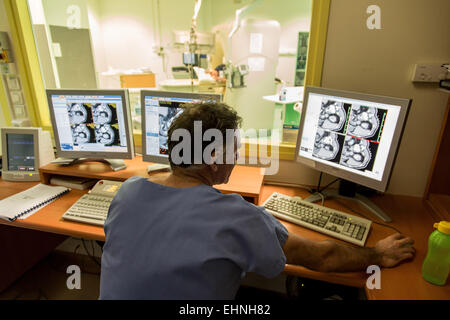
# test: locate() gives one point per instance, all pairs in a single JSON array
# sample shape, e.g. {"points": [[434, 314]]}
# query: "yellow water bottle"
{"points": [[436, 265]]}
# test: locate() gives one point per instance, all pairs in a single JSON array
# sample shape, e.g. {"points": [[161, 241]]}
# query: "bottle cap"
{"points": [[443, 226]]}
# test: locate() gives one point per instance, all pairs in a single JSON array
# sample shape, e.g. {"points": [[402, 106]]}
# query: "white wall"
{"points": [[128, 32], [294, 16], [36, 11], [124, 33], [98, 50]]}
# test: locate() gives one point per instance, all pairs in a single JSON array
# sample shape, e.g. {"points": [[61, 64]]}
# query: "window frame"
{"points": [[33, 84]]}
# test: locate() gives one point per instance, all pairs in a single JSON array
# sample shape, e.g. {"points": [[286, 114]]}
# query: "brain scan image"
{"points": [[332, 115], [326, 145], [364, 121], [106, 135], [104, 113], [79, 113], [356, 153], [82, 134], [166, 117]]}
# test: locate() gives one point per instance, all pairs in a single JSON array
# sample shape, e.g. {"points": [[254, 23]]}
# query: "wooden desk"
{"points": [[410, 215], [21, 248], [246, 181], [48, 219]]}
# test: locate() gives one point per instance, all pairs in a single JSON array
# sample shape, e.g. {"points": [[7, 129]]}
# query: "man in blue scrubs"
{"points": [[174, 236]]}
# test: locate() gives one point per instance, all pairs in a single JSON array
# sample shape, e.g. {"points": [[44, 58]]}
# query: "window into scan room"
{"points": [[250, 51]]}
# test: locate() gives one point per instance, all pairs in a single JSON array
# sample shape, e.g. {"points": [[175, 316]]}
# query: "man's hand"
{"points": [[394, 249]]}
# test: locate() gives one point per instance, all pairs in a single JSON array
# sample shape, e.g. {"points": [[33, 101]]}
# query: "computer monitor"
{"points": [[159, 110], [24, 151], [93, 124], [353, 136]]}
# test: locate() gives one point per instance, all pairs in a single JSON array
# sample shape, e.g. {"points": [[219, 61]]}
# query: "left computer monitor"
{"points": [[92, 124], [159, 110], [24, 151]]}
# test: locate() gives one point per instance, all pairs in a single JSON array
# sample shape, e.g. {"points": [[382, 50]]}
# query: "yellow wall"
{"points": [[5, 116], [22, 37], [381, 62]]}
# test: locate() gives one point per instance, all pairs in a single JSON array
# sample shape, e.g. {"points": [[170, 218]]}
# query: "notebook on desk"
{"points": [[24, 203]]}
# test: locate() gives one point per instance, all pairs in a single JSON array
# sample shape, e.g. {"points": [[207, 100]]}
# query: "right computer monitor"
{"points": [[159, 108], [353, 136]]}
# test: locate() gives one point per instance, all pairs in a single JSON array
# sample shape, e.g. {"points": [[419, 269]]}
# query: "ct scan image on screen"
{"points": [[328, 145], [94, 123], [333, 115], [166, 115], [358, 153], [366, 122], [160, 109], [159, 115], [90, 123], [349, 134]]}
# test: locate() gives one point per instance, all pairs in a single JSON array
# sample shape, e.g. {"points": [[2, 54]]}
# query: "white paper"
{"points": [[24, 216], [18, 203], [256, 42], [256, 63]]}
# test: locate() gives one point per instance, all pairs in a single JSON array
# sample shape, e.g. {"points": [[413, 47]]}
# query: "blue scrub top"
{"points": [[185, 243]]}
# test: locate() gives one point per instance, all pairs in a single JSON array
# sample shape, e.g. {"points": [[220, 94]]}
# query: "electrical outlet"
{"points": [[429, 73]]}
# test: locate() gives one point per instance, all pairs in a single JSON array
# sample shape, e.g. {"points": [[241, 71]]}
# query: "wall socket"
{"points": [[429, 72]]}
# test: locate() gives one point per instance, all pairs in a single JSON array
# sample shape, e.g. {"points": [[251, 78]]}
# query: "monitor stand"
{"points": [[116, 164], [157, 167], [347, 190]]}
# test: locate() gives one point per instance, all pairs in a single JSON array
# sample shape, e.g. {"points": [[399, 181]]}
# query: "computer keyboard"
{"points": [[91, 209], [331, 222]]}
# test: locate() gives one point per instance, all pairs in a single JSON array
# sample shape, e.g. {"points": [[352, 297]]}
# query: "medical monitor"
{"points": [[24, 151], [92, 124], [353, 136], [159, 110]]}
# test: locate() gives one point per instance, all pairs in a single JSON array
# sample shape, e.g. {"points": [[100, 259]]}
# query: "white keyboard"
{"points": [[91, 209], [331, 222]]}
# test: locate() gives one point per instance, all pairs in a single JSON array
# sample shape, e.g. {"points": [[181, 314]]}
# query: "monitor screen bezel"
{"points": [[5, 162], [350, 176], [169, 94], [123, 93]]}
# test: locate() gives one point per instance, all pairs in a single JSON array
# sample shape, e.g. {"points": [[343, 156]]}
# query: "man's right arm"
{"points": [[330, 256]]}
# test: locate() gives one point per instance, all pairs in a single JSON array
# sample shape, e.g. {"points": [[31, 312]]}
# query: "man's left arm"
{"points": [[331, 256]]}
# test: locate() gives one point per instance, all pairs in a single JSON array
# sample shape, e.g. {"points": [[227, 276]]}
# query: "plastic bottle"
{"points": [[436, 265], [283, 93]]}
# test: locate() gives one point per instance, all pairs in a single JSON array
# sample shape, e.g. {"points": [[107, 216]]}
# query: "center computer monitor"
{"points": [[353, 136], [159, 110], [93, 124]]}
